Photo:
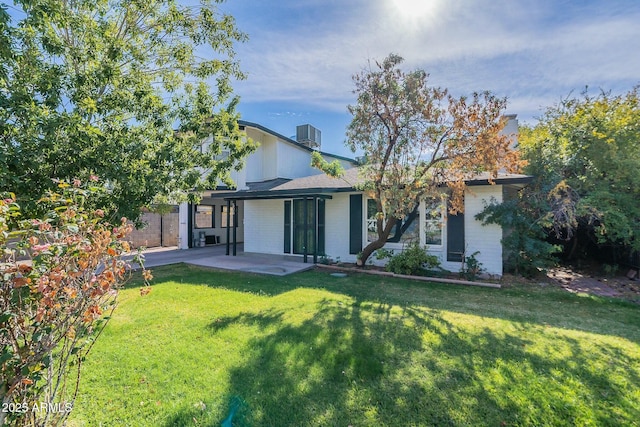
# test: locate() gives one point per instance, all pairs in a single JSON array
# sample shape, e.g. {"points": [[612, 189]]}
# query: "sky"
{"points": [[301, 54]]}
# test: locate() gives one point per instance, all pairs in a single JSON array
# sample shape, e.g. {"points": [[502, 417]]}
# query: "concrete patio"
{"points": [[214, 257]]}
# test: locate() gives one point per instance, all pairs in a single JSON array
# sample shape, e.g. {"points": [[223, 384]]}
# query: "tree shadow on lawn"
{"points": [[544, 381], [526, 304], [369, 364]]}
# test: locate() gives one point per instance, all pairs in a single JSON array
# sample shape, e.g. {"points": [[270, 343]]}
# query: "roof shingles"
{"points": [[322, 183]]}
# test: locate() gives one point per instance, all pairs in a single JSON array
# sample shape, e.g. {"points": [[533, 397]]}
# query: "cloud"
{"points": [[530, 54]]}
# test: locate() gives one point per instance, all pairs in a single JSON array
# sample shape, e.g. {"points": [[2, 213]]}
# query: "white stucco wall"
{"points": [[270, 158], [293, 161], [345, 164], [337, 227], [264, 229], [262, 164], [183, 226], [276, 158], [253, 166], [264, 226], [254, 161], [240, 178], [485, 239]]}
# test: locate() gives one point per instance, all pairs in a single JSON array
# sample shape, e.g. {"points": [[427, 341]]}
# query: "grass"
{"points": [[314, 350]]}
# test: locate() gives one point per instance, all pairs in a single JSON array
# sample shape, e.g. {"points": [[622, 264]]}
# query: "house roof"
{"points": [[294, 142], [322, 185], [324, 182], [502, 179], [351, 179], [267, 185]]}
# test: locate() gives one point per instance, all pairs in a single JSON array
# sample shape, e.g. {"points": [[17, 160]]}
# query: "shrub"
{"points": [[412, 260], [610, 270], [526, 252], [472, 267], [325, 259], [60, 275]]}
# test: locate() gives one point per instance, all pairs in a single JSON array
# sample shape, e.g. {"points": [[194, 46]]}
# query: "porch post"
{"points": [[315, 229], [305, 238], [190, 225], [235, 224], [228, 236]]}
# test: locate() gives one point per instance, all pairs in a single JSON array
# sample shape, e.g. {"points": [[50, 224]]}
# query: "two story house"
{"points": [[284, 206]]}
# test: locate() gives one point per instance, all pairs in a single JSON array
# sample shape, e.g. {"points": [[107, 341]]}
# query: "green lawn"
{"points": [[315, 350]]}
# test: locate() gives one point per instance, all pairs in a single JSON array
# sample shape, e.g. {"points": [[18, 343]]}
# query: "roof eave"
{"points": [[520, 180], [285, 194], [291, 141]]}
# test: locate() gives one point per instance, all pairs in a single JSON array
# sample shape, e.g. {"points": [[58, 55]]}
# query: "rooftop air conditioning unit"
{"points": [[309, 136]]}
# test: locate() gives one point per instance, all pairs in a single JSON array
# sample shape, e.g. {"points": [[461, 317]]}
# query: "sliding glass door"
{"points": [[302, 227], [304, 221]]}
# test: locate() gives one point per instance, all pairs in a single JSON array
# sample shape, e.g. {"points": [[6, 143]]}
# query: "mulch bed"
{"points": [[590, 283]]}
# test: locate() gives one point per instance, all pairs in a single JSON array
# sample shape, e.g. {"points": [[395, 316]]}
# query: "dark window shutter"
{"points": [[321, 222], [355, 223], [287, 226], [455, 237]]}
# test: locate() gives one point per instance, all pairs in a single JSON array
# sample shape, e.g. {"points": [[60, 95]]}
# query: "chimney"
{"points": [[511, 129]]}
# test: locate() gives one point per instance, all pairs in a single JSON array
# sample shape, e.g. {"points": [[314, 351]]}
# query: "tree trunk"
{"points": [[368, 250], [383, 235]]}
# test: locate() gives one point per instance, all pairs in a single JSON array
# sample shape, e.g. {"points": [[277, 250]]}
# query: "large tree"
{"points": [[585, 155], [123, 89], [417, 138]]}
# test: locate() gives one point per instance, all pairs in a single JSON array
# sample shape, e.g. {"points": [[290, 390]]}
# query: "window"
{"points": [[205, 217], [372, 233], [405, 232], [223, 217], [408, 231], [433, 221], [205, 143]]}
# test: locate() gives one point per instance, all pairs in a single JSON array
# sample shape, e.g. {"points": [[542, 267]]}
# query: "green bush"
{"points": [[413, 261], [526, 252], [472, 267], [610, 270]]}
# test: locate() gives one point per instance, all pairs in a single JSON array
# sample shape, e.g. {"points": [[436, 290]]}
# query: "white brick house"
{"points": [[284, 206]]}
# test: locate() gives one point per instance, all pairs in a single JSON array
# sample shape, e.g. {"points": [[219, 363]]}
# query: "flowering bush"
{"points": [[60, 276]]}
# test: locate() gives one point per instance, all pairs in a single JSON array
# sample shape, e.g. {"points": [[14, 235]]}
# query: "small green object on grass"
{"points": [[235, 405]]}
